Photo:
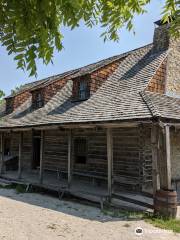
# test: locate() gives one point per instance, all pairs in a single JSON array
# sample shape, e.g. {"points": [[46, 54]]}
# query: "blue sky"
{"points": [[81, 47]]}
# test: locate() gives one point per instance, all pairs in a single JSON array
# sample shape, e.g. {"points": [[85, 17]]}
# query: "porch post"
{"points": [[41, 157], [20, 155], [109, 159], [69, 157], [2, 154], [168, 157], [165, 159], [155, 170], [165, 200]]}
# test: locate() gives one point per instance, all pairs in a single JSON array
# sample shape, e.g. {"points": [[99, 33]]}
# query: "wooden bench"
{"points": [[93, 175], [58, 171], [90, 174], [125, 180]]}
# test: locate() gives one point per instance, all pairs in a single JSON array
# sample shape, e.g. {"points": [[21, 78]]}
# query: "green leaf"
{"points": [[32, 28]]}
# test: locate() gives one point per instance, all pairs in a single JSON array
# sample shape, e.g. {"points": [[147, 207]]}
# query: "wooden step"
{"points": [[129, 206], [137, 199]]}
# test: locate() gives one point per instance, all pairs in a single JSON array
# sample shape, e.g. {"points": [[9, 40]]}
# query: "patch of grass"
{"points": [[114, 212], [9, 186], [20, 188], [168, 224], [163, 223]]}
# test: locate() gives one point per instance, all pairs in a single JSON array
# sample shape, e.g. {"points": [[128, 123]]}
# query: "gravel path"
{"points": [[39, 217]]}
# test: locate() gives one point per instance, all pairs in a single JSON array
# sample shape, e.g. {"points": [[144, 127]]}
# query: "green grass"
{"points": [[20, 188], [163, 223], [114, 212], [168, 224], [9, 186]]}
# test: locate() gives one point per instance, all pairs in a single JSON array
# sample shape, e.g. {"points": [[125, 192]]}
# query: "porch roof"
{"points": [[122, 97], [162, 105]]}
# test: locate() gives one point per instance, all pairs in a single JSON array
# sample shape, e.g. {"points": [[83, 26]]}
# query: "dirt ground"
{"points": [[35, 217]]}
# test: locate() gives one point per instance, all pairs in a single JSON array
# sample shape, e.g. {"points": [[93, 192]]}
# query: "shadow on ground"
{"points": [[68, 206]]}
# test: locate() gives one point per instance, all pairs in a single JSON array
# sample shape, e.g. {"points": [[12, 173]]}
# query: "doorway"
{"points": [[7, 144], [36, 150]]}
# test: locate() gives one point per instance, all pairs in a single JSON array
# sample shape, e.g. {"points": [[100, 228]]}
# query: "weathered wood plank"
{"points": [[20, 155], [69, 158], [155, 171], [165, 158], [109, 159], [41, 157], [168, 156]]}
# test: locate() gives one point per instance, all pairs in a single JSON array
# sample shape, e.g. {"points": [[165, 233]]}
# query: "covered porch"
{"points": [[106, 180], [81, 189]]}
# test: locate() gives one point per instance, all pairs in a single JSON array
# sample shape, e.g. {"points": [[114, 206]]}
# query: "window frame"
{"points": [[38, 99], [9, 105], [83, 90]]}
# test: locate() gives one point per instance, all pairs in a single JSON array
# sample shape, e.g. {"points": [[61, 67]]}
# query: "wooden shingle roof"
{"points": [[162, 105], [72, 73], [122, 97]]}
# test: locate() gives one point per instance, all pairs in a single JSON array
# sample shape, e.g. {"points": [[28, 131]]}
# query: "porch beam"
{"points": [[155, 170], [2, 154], [20, 155], [168, 157], [41, 157], [109, 159], [71, 126], [69, 158]]}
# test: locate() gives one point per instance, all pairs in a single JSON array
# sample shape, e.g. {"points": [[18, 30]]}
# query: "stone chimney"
{"points": [[161, 36], [163, 41]]}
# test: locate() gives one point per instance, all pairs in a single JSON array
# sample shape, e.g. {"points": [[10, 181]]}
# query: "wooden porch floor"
{"points": [[52, 181], [82, 189]]}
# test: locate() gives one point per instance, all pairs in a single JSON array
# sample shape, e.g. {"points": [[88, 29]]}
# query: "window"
{"points": [[9, 105], [38, 100], [80, 150], [83, 90]]}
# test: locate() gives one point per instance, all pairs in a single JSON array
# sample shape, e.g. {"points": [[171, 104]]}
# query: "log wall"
{"points": [[55, 150], [96, 152], [132, 159], [26, 147], [175, 153], [14, 144]]}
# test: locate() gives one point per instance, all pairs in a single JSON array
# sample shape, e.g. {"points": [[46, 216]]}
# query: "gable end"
{"points": [[158, 81]]}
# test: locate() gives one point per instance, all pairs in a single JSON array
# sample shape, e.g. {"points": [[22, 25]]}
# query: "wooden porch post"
{"points": [[2, 154], [155, 170], [109, 159], [69, 158], [168, 157], [165, 159], [165, 200], [41, 157], [20, 155]]}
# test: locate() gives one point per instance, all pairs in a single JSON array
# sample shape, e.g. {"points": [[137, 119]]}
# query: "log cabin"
{"points": [[100, 130]]}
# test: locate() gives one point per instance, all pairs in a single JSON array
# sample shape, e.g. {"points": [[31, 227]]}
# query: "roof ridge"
{"points": [[153, 109], [73, 71]]}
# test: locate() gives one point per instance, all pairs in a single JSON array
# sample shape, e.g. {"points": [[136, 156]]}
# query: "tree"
{"points": [[1, 96], [31, 29]]}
